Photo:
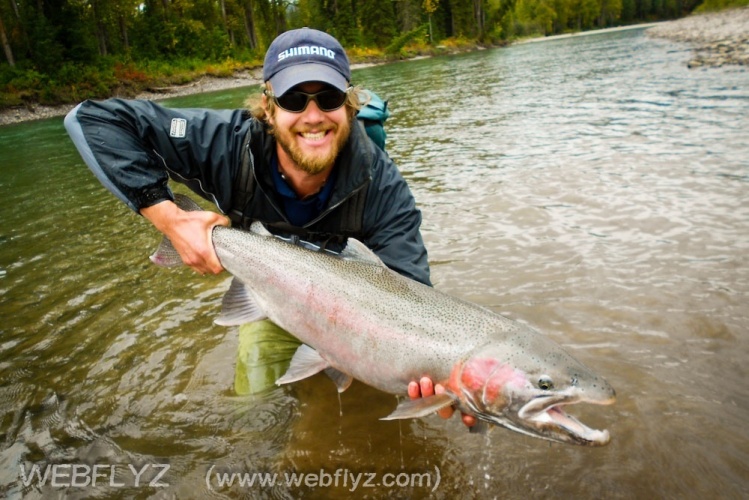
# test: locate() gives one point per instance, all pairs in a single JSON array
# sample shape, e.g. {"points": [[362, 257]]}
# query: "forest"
{"points": [[62, 51]]}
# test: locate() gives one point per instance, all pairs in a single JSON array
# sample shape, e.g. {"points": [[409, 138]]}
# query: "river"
{"points": [[592, 187]]}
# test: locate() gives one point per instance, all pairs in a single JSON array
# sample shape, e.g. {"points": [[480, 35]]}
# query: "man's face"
{"points": [[311, 139]]}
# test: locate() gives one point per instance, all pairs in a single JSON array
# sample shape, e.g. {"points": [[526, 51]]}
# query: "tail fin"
{"points": [[186, 203], [166, 255]]}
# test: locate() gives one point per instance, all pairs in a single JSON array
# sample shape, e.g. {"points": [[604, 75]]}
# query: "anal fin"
{"points": [[342, 380]]}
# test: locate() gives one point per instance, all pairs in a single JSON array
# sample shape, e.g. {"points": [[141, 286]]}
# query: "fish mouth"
{"points": [[544, 416]]}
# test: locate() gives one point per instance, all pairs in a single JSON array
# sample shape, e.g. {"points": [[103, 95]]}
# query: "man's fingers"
{"points": [[444, 412], [413, 390], [213, 264], [427, 387], [207, 263], [189, 232], [222, 221], [198, 253]]}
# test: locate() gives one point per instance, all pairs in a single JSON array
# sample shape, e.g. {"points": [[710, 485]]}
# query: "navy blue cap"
{"points": [[305, 55]]}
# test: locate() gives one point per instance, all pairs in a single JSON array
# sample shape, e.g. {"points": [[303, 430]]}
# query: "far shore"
{"points": [[717, 38], [586, 33]]}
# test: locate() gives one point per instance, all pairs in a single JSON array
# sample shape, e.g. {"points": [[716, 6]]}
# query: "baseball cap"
{"points": [[305, 55]]}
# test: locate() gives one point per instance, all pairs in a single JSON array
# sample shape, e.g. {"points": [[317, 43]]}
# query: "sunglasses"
{"points": [[295, 101]]}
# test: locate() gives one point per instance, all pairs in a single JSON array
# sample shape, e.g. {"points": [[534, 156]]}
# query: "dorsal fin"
{"points": [[356, 250], [258, 228]]}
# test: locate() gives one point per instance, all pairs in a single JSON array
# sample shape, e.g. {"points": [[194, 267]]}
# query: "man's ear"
{"points": [[265, 103]]}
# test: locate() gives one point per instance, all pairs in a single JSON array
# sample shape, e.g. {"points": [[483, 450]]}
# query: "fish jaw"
{"points": [[501, 394], [546, 414]]}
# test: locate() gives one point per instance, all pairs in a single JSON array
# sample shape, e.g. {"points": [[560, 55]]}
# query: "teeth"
{"points": [[313, 136]]}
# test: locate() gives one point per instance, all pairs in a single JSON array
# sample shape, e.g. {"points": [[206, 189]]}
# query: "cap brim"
{"points": [[308, 72]]}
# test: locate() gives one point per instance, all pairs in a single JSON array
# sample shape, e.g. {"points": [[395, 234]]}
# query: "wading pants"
{"points": [[264, 353]]}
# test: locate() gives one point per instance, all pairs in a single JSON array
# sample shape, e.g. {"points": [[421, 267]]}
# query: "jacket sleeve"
{"points": [[134, 147], [392, 223]]}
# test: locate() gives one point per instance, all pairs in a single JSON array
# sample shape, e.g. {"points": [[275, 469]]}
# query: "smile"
{"points": [[314, 136]]}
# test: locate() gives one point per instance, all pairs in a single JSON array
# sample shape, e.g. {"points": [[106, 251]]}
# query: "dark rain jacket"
{"points": [[135, 147]]}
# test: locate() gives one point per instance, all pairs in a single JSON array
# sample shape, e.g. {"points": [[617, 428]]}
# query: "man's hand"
{"points": [[425, 387], [189, 232]]}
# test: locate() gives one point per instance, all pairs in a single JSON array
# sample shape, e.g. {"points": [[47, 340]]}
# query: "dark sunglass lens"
{"points": [[296, 101], [292, 101], [330, 100]]}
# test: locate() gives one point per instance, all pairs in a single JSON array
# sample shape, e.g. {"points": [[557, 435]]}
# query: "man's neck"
{"points": [[303, 183]]}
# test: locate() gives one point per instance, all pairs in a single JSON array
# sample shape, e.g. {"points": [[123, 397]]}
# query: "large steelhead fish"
{"points": [[359, 319]]}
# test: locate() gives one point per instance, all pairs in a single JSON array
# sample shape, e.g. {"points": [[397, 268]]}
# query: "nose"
{"points": [[312, 113]]}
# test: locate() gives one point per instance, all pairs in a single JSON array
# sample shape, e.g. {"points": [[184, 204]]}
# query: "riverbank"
{"points": [[720, 38], [203, 84]]}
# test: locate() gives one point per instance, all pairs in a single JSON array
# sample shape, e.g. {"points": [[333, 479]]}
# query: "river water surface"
{"points": [[593, 187]]}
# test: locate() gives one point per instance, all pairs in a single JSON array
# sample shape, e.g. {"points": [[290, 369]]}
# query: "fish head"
{"points": [[528, 392]]}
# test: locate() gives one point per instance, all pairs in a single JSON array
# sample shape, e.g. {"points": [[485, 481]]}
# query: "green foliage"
{"points": [[589, 10], [377, 22], [17, 85], [462, 18], [713, 5], [629, 11], [535, 17], [74, 82], [71, 82], [610, 12], [344, 24], [396, 46]]}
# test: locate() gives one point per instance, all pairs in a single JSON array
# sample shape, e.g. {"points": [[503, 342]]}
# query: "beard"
{"points": [[316, 162]]}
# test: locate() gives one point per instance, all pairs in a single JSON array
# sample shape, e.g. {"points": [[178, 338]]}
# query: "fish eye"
{"points": [[545, 383]]}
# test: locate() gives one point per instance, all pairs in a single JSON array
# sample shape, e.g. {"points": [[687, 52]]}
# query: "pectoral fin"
{"points": [[305, 363], [238, 306], [416, 408]]}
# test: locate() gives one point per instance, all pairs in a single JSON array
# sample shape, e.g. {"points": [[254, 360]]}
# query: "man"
{"points": [[301, 164]]}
